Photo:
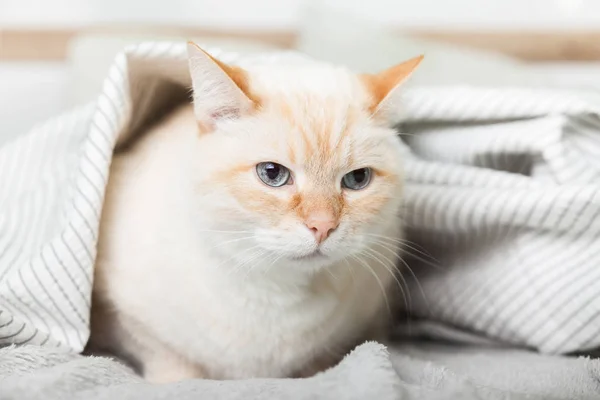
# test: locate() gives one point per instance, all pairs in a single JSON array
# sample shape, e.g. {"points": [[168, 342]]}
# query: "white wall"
{"points": [[264, 14], [32, 92]]}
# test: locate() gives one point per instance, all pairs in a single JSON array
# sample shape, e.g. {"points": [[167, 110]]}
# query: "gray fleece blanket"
{"points": [[423, 371], [502, 204]]}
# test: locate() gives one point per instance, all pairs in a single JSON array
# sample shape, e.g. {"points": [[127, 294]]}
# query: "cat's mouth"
{"points": [[315, 255]]}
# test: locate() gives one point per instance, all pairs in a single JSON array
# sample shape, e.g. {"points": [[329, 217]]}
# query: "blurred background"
{"points": [[54, 53]]}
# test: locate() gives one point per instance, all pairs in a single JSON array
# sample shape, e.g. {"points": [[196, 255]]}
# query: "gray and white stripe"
{"points": [[502, 190], [505, 194]]}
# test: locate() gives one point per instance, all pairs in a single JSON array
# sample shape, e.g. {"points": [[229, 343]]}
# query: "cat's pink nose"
{"points": [[321, 226]]}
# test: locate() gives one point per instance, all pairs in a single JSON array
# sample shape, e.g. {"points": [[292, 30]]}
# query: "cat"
{"points": [[253, 233]]}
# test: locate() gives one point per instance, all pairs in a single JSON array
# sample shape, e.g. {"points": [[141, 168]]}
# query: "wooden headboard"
{"points": [[21, 44]]}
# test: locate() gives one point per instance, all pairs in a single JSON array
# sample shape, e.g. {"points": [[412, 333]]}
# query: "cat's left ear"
{"points": [[383, 87], [220, 90]]}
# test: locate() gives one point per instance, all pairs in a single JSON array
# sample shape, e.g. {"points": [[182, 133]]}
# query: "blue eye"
{"points": [[273, 174], [357, 179]]}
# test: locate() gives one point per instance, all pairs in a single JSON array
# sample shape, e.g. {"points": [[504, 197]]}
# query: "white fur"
{"points": [[189, 284]]}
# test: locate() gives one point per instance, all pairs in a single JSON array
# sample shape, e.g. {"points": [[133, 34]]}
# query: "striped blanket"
{"points": [[502, 208]]}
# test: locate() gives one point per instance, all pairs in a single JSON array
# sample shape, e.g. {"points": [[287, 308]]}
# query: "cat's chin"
{"points": [[315, 261], [316, 255]]}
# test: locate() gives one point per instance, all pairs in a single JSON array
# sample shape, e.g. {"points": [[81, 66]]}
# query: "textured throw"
{"points": [[410, 372], [502, 205]]}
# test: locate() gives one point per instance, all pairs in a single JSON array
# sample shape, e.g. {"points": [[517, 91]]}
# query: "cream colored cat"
{"points": [[244, 236]]}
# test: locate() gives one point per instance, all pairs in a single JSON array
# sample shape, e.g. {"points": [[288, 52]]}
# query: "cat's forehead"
{"points": [[315, 100], [323, 113], [320, 131]]}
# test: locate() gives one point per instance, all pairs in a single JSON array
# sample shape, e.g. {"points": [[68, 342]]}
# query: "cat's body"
{"points": [[205, 271]]}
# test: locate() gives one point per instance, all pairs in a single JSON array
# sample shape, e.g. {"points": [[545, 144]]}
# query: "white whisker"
{"points": [[383, 291], [352, 276], [394, 242], [392, 269], [252, 265], [275, 259], [232, 257], [259, 254], [218, 231], [406, 243], [233, 241], [332, 274], [399, 257]]}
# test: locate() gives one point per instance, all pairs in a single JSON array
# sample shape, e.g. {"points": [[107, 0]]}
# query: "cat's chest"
{"points": [[245, 329], [248, 333]]}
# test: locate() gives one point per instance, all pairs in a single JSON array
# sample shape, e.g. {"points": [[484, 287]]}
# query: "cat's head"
{"points": [[296, 164]]}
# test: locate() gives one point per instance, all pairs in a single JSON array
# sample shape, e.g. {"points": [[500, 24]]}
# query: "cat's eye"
{"points": [[273, 174], [357, 179]]}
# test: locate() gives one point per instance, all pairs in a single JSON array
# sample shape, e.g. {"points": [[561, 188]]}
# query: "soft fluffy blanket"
{"points": [[411, 372], [502, 204]]}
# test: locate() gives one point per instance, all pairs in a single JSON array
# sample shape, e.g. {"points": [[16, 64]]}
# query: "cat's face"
{"points": [[293, 164]]}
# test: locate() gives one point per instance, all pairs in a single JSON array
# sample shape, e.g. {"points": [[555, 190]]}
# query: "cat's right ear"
{"points": [[220, 91]]}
